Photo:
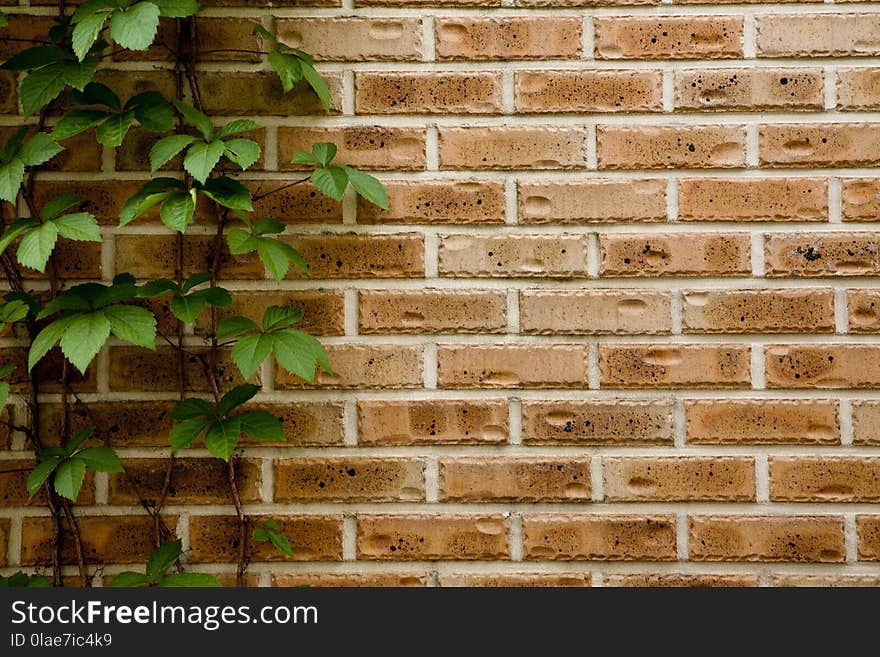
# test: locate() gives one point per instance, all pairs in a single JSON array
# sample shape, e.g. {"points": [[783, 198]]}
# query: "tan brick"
{"points": [[428, 3], [868, 529], [129, 83], [415, 92], [5, 525], [312, 537], [669, 37], [753, 199], [866, 422], [134, 154], [857, 89], [822, 366], [437, 421], [103, 198], [598, 537], [593, 422], [667, 147], [363, 366], [432, 311], [353, 39], [758, 311], [259, 93], [437, 202], [582, 3], [826, 144], [155, 256], [586, 312], [822, 254], [590, 201], [8, 93], [512, 366], [47, 372], [73, 260], [14, 490], [514, 479], [598, 90], [520, 256], [306, 423], [862, 307], [509, 147], [750, 89], [516, 580], [269, 3], [815, 581], [352, 255], [432, 537], [511, 37], [824, 479], [679, 479], [692, 254], [138, 369], [348, 580], [353, 479], [25, 28], [300, 204], [860, 199], [364, 147], [817, 35], [762, 422], [675, 366], [323, 312], [766, 538], [679, 580]]}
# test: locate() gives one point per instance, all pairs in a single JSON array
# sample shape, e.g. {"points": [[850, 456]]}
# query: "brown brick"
{"points": [[587, 312], [5, 525], [669, 37], [305, 423], [817, 35], [352, 255], [432, 537], [349, 480], [590, 422], [512, 147], [154, 256], [766, 538], [857, 89], [679, 580], [514, 479], [822, 366], [860, 199], [437, 202], [5, 429], [348, 580], [138, 369], [103, 198], [815, 581], [511, 37], [824, 479], [753, 199], [301, 204], [363, 366], [868, 528], [762, 422], [826, 144], [364, 147], [415, 92], [520, 256], [323, 312], [431, 311], [583, 3], [862, 307], [47, 372], [438, 421], [133, 155], [667, 147], [22, 27], [594, 200], [866, 422], [129, 83], [516, 580], [692, 254], [427, 3], [354, 39], [675, 366], [8, 93], [598, 537], [512, 366], [14, 491], [758, 311], [822, 254], [269, 3], [750, 89], [121, 424], [73, 260], [599, 90], [679, 479], [259, 93], [312, 537]]}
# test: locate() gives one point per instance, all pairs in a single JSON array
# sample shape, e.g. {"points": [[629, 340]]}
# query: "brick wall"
{"points": [[617, 328]]}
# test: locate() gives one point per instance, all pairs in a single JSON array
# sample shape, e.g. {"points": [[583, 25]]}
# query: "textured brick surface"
{"points": [[758, 311], [768, 199], [602, 538], [671, 255], [679, 479], [769, 422]]}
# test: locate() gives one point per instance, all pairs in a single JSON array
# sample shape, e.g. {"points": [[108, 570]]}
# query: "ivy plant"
{"points": [[156, 574]]}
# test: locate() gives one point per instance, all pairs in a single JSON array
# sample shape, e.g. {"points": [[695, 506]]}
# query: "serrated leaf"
{"points": [[158, 288], [6, 369], [133, 324], [80, 226], [288, 69], [37, 245], [190, 408], [100, 459], [229, 193], [68, 479], [303, 157], [77, 121], [317, 83], [189, 580], [250, 351], [244, 152], [135, 28], [15, 229], [58, 204], [300, 353], [39, 149], [177, 8], [155, 115], [166, 149], [368, 187], [187, 308], [222, 437], [201, 158], [95, 93], [262, 425], [41, 87], [148, 196], [216, 296], [11, 177], [85, 33], [240, 241], [233, 326], [79, 74], [196, 118], [324, 153], [46, 339], [331, 181], [196, 279], [184, 433], [128, 579], [40, 474], [236, 127], [35, 57], [177, 211], [162, 558], [12, 311], [237, 396], [112, 131], [277, 256], [85, 336], [78, 440], [278, 316], [267, 226]]}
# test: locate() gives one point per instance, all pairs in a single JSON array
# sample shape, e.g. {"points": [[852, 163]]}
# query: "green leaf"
{"points": [[158, 288], [201, 159], [244, 152], [12, 311], [177, 211], [112, 131], [240, 241], [229, 193], [304, 157], [76, 121], [250, 351], [216, 296], [152, 111], [4, 393], [368, 187], [79, 74], [162, 558], [35, 57], [37, 245], [262, 425], [196, 279], [189, 580], [80, 226], [277, 256], [278, 316], [166, 149], [235, 326], [222, 437], [91, 6], [11, 177], [41, 87], [78, 440], [38, 149], [100, 459], [318, 84], [85, 33], [40, 474], [95, 93], [239, 395], [58, 204], [7, 369], [84, 337], [46, 339], [69, 478], [133, 324], [270, 531], [128, 579], [324, 153], [186, 309], [184, 433], [136, 27], [148, 196], [331, 181], [196, 118], [300, 353], [236, 127], [177, 8], [288, 69], [267, 226], [191, 407]]}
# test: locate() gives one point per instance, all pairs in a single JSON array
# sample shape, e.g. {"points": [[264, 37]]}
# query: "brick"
{"points": [[822, 366], [158, 52], [352, 479], [103, 198], [766, 538], [866, 421], [130, 83], [437, 202], [193, 481], [815, 581], [22, 27], [675, 366], [432, 537], [520, 256], [477, 92], [762, 422], [47, 372], [679, 580], [868, 529], [672, 37], [364, 147], [593, 422], [691, 254], [138, 369], [259, 93], [353, 39], [824, 479], [862, 309], [758, 311], [857, 89], [860, 199], [5, 430], [599, 90], [5, 526], [822, 254], [312, 537], [302, 204], [432, 422], [155, 256], [348, 580], [511, 37], [516, 580], [582, 3], [269, 3], [134, 154], [323, 312], [352, 255], [14, 491], [667, 147], [73, 260], [826, 144], [306, 424], [679, 479], [363, 366], [753, 199], [431, 311], [8, 93], [590, 201], [590, 312], [514, 479], [512, 147], [428, 3], [817, 35], [598, 537], [512, 366], [750, 89]]}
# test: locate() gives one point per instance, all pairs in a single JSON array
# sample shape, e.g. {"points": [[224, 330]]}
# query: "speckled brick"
{"points": [[363, 366], [819, 145], [354, 479], [428, 93], [512, 366], [517, 256], [750, 89], [679, 580], [514, 479], [432, 537], [511, 37], [354, 38], [758, 311], [432, 311], [508, 147], [824, 479], [817, 35], [752, 199], [516, 580], [860, 199], [692, 254], [675, 366], [588, 91], [589, 312], [595, 422], [679, 479], [437, 202], [591, 201], [671, 147], [436, 421], [863, 310], [822, 366], [762, 422], [672, 37], [822, 254]]}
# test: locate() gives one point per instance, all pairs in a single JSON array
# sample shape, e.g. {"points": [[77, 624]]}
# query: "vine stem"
{"points": [[258, 197]]}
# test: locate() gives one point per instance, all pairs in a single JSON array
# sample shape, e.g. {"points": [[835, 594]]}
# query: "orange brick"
{"points": [[758, 311], [666, 147], [512, 366], [822, 254], [14, 491], [47, 372], [432, 537], [431, 311], [103, 198], [815, 581], [302, 204], [514, 479], [516, 580], [750, 89], [589, 422], [364, 147], [133, 155], [138, 369], [857, 89], [822, 366], [437, 202], [363, 366], [679, 580], [588, 91], [692, 254], [592, 201], [323, 312], [862, 307], [507, 147], [353, 39], [679, 479], [817, 35], [824, 479], [860, 199], [866, 421], [438, 421], [258, 93], [868, 528], [73, 261], [477, 92], [155, 256], [675, 366], [349, 480], [348, 580], [531, 256], [753, 199], [352, 255], [586, 312], [762, 422], [818, 145], [511, 37], [305, 423], [669, 37]]}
